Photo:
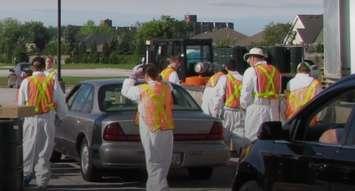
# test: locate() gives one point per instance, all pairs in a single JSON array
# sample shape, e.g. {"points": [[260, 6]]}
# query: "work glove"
{"points": [[137, 72]]}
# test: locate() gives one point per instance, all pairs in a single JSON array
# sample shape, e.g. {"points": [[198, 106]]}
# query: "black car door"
{"points": [[309, 161], [344, 167]]}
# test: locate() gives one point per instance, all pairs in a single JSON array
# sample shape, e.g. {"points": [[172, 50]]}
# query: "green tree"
{"points": [[10, 35], [88, 28], [71, 38], [166, 27], [274, 33], [36, 32]]}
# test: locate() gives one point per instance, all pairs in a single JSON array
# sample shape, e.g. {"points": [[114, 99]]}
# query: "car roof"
{"points": [[100, 82]]}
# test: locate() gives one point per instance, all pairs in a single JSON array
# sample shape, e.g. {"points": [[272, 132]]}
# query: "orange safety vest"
{"points": [[157, 102], [41, 94], [233, 90], [298, 98], [165, 74], [212, 82], [268, 81]]}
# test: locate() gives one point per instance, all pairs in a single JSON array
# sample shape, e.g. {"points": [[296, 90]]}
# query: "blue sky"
{"points": [[249, 16]]}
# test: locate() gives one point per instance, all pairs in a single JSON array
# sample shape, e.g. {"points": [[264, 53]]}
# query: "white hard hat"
{"points": [[254, 51]]}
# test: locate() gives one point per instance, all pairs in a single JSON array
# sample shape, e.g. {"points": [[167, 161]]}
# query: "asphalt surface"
{"points": [[66, 177]]}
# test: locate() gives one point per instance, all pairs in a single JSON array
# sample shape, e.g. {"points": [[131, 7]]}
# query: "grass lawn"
{"points": [[69, 81], [83, 66], [96, 65]]}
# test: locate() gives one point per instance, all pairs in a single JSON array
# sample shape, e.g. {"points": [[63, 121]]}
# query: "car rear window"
{"points": [[111, 99]]}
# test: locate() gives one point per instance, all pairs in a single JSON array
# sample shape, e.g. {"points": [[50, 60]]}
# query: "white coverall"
{"points": [[208, 104], [174, 78], [233, 118], [158, 146], [38, 135], [301, 80], [258, 110]]}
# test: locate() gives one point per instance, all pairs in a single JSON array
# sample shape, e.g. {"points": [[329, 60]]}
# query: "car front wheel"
{"points": [[202, 173], [88, 170], [250, 186]]}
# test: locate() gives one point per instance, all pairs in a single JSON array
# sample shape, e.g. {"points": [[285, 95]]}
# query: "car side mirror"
{"points": [[272, 130]]}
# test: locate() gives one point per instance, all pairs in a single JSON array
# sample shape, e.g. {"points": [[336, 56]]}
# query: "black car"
{"points": [[314, 150]]}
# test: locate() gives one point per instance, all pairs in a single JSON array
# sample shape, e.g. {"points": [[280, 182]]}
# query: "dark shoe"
{"points": [[27, 179]]}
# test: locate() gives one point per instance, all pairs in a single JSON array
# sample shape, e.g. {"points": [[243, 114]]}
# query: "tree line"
{"points": [[92, 43]]}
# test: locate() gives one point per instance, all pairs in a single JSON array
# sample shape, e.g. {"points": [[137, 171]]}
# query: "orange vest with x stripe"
{"points": [[40, 93], [268, 81], [233, 90]]}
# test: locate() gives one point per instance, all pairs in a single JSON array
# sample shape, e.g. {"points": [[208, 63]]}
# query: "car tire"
{"points": [[250, 186], [56, 156], [201, 173], [87, 169]]}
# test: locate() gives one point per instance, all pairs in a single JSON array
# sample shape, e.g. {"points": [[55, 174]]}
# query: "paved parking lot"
{"points": [[66, 177]]}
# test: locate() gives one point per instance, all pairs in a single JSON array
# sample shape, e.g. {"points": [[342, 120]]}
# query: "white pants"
{"points": [[38, 143], [208, 102], [258, 114], [234, 131], [158, 149]]}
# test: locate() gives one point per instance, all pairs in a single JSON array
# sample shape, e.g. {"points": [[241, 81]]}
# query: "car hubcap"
{"points": [[85, 159]]}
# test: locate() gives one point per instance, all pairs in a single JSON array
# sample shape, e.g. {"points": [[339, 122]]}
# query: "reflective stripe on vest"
{"points": [[52, 73], [165, 74], [40, 93], [233, 90], [212, 82], [268, 81], [298, 98], [157, 103]]}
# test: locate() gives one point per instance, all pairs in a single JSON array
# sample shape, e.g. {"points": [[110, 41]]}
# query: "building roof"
{"points": [[312, 26], [219, 35]]}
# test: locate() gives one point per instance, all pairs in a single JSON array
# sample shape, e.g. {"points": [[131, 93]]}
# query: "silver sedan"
{"points": [[100, 131]]}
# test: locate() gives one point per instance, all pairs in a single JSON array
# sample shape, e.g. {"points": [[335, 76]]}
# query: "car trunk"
{"points": [[189, 125]]}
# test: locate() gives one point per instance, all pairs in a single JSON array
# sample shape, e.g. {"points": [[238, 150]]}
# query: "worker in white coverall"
{"points": [[170, 72], [50, 70], [208, 104], [227, 99], [301, 89], [46, 97], [156, 126], [260, 92]]}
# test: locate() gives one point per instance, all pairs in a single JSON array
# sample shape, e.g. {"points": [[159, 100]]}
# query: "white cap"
{"points": [[254, 51]]}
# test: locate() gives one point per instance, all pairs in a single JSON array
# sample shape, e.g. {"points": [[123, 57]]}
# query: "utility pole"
{"points": [[59, 53]]}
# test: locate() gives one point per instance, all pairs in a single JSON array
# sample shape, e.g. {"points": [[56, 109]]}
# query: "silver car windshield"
{"points": [[111, 99]]}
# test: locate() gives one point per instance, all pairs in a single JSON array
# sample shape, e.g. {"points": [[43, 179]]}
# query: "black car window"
{"points": [[110, 99], [328, 123], [83, 99], [72, 95]]}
